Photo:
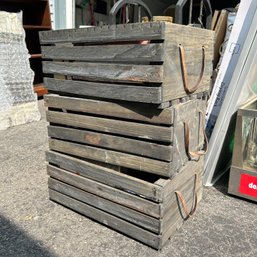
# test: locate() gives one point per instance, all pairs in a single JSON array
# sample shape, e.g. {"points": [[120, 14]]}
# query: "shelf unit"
{"points": [[36, 17]]}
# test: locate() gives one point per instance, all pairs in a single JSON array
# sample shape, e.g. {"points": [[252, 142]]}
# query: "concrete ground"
{"points": [[32, 225]]}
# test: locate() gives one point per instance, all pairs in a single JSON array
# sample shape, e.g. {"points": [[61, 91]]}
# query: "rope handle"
{"points": [[195, 155], [188, 88], [181, 198]]}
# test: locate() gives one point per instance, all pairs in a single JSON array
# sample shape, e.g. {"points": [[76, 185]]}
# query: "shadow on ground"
{"points": [[15, 243]]}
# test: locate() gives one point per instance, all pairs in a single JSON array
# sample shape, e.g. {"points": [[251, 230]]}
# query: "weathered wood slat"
{"points": [[106, 71], [122, 144], [130, 111], [106, 176], [107, 192], [105, 90], [112, 157], [130, 32], [176, 223], [184, 175], [115, 209], [132, 129], [106, 53], [191, 39], [107, 219]]}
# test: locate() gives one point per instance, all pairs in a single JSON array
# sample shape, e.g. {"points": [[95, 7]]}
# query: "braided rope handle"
{"points": [[190, 89]]}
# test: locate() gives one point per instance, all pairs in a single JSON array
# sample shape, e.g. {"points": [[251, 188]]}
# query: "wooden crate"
{"points": [[135, 136], [142, 62], [146, 208]]}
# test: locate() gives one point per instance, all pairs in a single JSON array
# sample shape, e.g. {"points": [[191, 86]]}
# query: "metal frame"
{"points": [[121, 3], [232, 98]]}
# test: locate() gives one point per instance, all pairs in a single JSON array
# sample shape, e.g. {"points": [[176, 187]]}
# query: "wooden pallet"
{"points": [[139, 62], [145, 208], [131, 135]]}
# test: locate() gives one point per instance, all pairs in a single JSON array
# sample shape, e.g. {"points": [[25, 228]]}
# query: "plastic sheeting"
{"points": [[16, 76]]}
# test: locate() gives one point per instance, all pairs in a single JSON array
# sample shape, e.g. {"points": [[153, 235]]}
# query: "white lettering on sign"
{"points": [[253, 186]]}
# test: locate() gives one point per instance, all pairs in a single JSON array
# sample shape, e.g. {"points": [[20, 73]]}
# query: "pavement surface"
{"points": [[32, 225]]}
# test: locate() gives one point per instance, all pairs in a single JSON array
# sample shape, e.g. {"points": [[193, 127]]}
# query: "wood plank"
{"points": [[130, 111], [126, 145], [138, 130], [106, 53], [184, 175], [176, 223], [107, 219], [112, 157], [107, 176], [188, 112], [107, 192], [215, 19], [106, 71], [110, 207], [173, 85], [220, 32], [115, 33], [105, 90]]}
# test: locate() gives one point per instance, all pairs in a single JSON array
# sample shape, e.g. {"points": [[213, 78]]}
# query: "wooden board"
{"points": [[107, 219], [137, 130], [126, 145], [220, 32], [118, 196], [106, 53], [189, 112], [112, 157], [105, 90], [106, 71], [134, 217], [192, 42], [130, 111], [107, 176], [115, 33]]}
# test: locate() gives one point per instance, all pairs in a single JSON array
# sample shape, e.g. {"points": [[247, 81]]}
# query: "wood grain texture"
{"points": [[106, 71], [107, 192], [125, 213], [133, 129], [115, 33], [126, 145], [107, 219], [184, 175], [192, 39], [106, 53], [112, 157], [130, 111], [107, 176], [188, 112], [105, 90]]}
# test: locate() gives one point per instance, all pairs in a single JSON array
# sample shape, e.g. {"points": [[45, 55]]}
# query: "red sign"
{"points": [[248, 185]]}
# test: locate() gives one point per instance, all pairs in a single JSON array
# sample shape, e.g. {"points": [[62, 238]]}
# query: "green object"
{"points": [[254, 87], [84, 3]]}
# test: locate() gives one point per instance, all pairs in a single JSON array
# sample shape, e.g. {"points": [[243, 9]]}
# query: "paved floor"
{"points": [[31, 225]]}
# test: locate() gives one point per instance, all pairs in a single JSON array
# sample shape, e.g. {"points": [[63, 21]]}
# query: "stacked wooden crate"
{"points": [[126, 128]]}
